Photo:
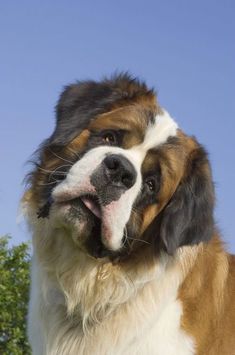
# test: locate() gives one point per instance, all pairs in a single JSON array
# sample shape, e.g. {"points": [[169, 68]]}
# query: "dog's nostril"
{"points": [[112, 163], [120, 171], [128, 180]]}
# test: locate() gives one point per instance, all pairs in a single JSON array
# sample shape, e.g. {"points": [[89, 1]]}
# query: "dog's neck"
{"points": [[91, 289]]}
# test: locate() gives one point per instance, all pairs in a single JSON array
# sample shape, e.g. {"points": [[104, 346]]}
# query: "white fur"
{"points": [[77, 181], [141, 313], [158, 133]]}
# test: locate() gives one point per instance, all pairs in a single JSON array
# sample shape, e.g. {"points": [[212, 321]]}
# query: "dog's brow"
{"points": [[126, 119]]}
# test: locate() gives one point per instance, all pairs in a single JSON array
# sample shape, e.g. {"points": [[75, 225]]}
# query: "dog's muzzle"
{"points": [[113, 177]]}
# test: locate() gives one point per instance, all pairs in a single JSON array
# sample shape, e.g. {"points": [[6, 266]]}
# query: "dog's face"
{"points": [[119, 174]]}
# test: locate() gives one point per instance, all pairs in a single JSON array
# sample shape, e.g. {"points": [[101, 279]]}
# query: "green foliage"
{"points": [[14, 291]]}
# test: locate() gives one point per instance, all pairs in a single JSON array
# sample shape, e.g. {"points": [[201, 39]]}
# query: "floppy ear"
{"points": [[78, 104], [188, 217]]}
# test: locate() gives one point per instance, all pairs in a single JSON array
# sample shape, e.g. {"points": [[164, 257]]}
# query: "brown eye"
{"points": [[150, 184], [109, 138]]}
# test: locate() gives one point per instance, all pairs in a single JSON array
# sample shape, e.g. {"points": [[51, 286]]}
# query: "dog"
{"points": [[127, 258]]}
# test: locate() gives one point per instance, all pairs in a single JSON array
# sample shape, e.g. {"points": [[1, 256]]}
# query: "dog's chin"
{"points": [[83, 216]]}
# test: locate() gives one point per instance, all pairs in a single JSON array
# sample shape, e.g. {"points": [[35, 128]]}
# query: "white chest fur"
{"points": [[164, 337], [143, 321]]}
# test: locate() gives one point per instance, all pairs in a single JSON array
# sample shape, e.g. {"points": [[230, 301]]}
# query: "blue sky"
{"points": [[185, 49]]}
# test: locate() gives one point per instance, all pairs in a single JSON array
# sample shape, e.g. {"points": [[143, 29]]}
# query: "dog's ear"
{"points": [[188, 217], [78, 104]]}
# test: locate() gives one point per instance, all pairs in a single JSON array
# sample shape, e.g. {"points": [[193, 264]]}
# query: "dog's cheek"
{"points": [[81, 234], [73, 220]]}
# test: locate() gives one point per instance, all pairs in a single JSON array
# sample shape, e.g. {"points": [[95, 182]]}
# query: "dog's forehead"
{"points": [[144, 127], [131, 118]]}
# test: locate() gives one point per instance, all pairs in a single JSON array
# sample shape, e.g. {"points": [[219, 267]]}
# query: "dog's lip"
{"points": [[92, 203], [89, 199]]}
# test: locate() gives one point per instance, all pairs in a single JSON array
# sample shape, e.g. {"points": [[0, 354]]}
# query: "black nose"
{"points": [[120, 171]]}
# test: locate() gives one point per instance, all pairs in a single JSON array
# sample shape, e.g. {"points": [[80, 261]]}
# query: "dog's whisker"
{"points": [[139, 240], [56, 171], [126, 238], [59, 157], [51, 172], [74, 152], [45, 170], [49, 183]]}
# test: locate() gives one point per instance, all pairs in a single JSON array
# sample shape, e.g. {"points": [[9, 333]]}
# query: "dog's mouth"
{"points": [[90, 217], [92, 203], [89, 208]]}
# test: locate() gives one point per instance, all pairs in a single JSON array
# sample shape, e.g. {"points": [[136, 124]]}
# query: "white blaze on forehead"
{"points": [[157, 133], [115, 215]]}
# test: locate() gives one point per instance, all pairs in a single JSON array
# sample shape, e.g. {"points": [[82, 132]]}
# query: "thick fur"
{"points": [[144, 271]]}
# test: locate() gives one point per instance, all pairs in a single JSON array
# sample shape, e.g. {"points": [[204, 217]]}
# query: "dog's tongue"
{"points": [[92, 206]]}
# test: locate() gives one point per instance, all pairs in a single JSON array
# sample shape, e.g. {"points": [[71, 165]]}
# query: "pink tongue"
{"points": [[91, 206]]}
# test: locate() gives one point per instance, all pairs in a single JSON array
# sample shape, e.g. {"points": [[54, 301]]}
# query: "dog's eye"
{"points": [[151, 185], [109, 138]]}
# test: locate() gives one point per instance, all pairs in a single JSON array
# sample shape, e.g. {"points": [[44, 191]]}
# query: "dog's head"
{"points": [[117, 171]]}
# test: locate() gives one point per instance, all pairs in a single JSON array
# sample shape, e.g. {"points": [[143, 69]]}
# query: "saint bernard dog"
{"points": [[127, 257]]}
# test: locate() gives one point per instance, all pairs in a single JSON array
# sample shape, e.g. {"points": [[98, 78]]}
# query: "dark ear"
{"points": [[188, 217], [78, 104]]}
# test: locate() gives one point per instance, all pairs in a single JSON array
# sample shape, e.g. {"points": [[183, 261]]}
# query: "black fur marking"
{"points": [[43, 212]]}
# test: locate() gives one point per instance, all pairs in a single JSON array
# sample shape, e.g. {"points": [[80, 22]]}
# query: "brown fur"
{"points": [[208, 300]]}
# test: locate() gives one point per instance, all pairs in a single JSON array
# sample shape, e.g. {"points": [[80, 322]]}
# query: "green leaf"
{"points": [[14, 293]]}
